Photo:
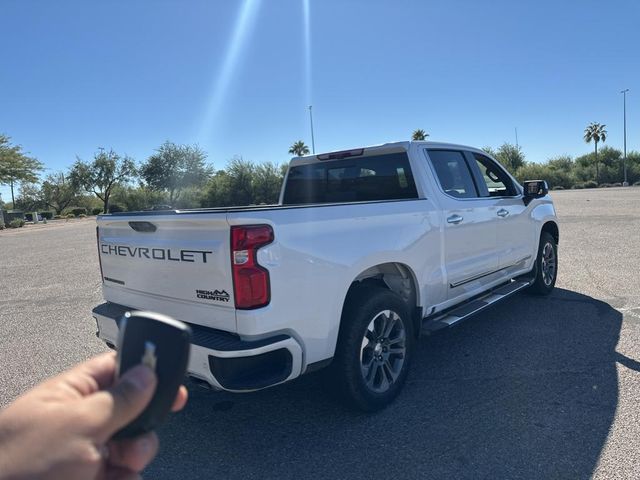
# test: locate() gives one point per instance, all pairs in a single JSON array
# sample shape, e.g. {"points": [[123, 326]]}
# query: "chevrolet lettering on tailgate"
{"points": [[156, 253]]}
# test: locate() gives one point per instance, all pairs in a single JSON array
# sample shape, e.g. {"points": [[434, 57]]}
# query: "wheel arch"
{"points": [[397, 277], [552, 228]]}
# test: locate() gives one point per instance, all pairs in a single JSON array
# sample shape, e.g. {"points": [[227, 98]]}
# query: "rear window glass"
{"points": [[360, 179]]}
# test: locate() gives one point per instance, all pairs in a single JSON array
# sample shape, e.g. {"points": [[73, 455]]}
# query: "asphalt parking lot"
{"points": [[533, 388]]}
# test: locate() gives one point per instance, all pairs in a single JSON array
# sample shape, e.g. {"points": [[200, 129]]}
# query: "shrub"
{"points": [[578, 186], [558, 187], [57, 217], [11, 214], [636, 184], [16, 223], [617, 184], [605, 185], [137, 199], [70, 215], [79, 211], [1, 226], [48, 215], [82, 215], [115, 208], [590, 184], [96, 211]]}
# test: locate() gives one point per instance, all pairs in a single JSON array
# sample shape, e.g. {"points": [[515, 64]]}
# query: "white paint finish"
{"points": [[318, 252], [198, 365], [542, 211], [169, 286], [184, 310], [470, 246], [516, 232]]}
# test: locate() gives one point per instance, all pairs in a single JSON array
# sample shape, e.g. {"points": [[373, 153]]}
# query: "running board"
{"points": [[473, 306]]}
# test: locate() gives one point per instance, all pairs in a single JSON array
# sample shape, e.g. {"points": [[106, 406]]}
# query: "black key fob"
{"points": [[163, 344]]}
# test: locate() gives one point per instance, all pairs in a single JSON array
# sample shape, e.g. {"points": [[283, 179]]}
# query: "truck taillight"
{"points": [[250, 280], [99, 259]]}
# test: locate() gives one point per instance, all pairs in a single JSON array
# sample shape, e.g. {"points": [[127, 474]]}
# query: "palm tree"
{"points": [[419, 135], [595, 131], [299, 149]]}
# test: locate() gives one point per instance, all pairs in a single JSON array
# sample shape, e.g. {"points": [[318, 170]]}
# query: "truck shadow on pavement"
{"points": [[527, 389]]}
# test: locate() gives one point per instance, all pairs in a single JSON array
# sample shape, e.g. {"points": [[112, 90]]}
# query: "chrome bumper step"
{"points": [[473, 306]]}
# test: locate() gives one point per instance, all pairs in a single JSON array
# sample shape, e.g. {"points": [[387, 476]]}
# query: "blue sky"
{"points": [[236, 76]]}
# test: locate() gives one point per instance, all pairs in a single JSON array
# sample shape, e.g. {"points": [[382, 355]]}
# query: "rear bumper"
{"points": [[222, 359]]}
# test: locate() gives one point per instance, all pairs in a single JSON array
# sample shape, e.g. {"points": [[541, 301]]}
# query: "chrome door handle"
{"points": [[454, 219], [503, 213]]}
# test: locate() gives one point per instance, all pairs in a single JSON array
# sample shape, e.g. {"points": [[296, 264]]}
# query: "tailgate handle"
{"points": [[143, 226]]}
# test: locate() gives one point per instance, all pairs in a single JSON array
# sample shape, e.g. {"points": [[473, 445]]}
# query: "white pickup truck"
{"points": [[366, 249]]}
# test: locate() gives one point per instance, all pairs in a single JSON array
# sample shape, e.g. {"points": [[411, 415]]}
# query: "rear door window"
{"points": [[360, 179], [453, 173]]}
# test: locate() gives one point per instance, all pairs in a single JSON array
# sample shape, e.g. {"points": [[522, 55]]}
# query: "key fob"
{"points": [[163, 344]]}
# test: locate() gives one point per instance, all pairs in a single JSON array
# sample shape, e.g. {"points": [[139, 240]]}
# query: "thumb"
{"points": [[124, 401]]}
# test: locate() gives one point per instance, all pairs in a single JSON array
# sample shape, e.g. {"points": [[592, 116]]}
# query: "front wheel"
{"points": [[375, 347], [546, 267]]}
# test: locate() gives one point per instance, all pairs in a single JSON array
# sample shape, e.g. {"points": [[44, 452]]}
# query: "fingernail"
{"points": [[140, 376]]}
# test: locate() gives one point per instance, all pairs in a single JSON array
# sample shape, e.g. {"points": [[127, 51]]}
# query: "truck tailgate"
{"points": [[167, 263]]}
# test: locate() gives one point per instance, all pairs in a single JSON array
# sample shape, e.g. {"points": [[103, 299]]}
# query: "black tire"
{"points": [[546, 266], [361, 350]]}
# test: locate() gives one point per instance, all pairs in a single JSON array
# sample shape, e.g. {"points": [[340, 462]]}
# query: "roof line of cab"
{"points": [[386, 147]]}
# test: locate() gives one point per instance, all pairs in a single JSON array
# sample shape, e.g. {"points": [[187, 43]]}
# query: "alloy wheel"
{"points": [[548, 264], [383, 351]]}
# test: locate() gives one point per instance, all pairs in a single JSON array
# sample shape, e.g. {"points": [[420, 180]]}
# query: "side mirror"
{"points": [[534, 189]]}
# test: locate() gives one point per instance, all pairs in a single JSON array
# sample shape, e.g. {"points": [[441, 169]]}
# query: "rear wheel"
{"points": [[546, 267], [374, 350]]}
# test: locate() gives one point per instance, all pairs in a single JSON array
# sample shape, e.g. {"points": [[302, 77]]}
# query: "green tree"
{"points": [[29, 198], [239, 176], [244, 183], [551, 171], [609, 166], [595, 132], [584, 168], [510, 156], [88, 201], [58, 192], [15, 166], [172, 168], [267, 183], [217, 191], [490, 151], [562, 163], [138, 198], [562, 171], [233, 186], [419, 135], [299, 149], [633, 167], [106, 171]]}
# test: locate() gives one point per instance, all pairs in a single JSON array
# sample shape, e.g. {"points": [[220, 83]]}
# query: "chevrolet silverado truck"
{"points": [[366, 249]]}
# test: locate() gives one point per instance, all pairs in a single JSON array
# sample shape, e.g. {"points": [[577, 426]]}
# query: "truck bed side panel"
{"points": [[318, 252]]}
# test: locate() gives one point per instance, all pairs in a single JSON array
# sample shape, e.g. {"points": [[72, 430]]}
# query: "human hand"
{"points": [[62, 428]]}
